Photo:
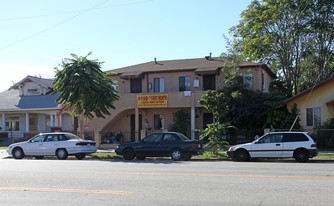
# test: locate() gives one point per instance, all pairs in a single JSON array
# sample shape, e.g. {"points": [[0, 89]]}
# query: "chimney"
{"points": [[208, 57], [155, 60]]}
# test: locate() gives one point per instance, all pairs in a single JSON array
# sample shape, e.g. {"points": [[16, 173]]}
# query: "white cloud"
{"points": [[12, 73]]}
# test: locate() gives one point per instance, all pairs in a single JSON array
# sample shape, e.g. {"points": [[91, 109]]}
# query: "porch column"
{"points": [[51, 120], [27, 122], [192, 117], [56, 120], [136, 124], [60, 121], [3, 122]]}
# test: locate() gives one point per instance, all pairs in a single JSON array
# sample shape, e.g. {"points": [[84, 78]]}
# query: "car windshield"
{"points": [[184, 137], [72, 137]]}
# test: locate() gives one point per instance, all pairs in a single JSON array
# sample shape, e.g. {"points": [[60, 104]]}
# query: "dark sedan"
{"points": [[162, 144]]}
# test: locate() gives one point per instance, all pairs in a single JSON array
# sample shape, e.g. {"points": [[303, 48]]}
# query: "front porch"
{"points": [[22, 126]]}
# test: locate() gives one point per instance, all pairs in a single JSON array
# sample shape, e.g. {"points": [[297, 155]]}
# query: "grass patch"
{"points": [[324, 156], [210, 155], [103, 155], [3, 147]]}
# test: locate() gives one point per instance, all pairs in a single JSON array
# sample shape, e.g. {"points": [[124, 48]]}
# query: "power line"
{"points": [[71, 12], [97, 6], [53, 26]]}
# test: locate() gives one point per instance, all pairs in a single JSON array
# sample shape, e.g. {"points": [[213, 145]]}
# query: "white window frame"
{"points": [[315, 120]]}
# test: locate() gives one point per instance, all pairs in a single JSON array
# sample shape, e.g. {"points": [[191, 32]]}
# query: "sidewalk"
{"points": [[3, 153]]}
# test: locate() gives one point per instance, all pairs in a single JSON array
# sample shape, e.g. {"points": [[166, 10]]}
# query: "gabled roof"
{"points": [[11, 101], [309, 90], [46, 83], [198, 65]]}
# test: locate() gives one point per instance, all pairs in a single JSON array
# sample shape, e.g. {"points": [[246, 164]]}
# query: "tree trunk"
{"points": [[81, 126]]}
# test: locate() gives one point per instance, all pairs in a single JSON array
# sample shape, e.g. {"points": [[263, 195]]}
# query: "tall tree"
{"points": [[286, 33], [84, 87], [319, 56]]}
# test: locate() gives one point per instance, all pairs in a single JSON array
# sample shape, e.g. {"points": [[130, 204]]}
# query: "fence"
{"points": [[324, 138]]}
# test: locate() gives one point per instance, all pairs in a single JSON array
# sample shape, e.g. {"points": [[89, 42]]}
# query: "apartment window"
{"points": [[184, 84], [159, 85], [12, 124], [248, 80], [209, 82], [159, 122], [313, 116], [135, 86]]}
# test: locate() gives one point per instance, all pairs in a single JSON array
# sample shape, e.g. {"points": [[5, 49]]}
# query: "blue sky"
{"points": [[36, 34]]}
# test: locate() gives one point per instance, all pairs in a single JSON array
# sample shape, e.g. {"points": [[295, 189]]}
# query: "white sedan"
{"points": [[58, 144]]}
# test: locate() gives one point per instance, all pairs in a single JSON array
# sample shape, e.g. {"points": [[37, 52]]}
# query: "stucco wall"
{"points": [[120, 117], [318, 98]]}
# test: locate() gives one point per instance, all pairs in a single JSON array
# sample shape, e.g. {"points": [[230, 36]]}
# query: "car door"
{"points": [[150, 145], [169, 141], [34, 146], [291, 141], [50, 145], [269, 145]]}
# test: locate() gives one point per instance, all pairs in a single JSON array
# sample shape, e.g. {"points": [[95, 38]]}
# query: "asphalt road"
{"points": [[93, 182]]}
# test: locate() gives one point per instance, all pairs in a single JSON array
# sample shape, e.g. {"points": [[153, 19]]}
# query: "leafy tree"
{"points": [[295, 37], [278, 116], [213, 133], [83, 87], [320, 26], [215, 102], [246, 110], [181, 122]]}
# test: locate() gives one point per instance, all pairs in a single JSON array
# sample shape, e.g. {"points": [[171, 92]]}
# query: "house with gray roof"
{"points": [[28, 107]]}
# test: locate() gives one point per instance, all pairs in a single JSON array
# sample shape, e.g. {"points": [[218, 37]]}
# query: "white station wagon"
{"points": [[58, 144], [298, 145]]}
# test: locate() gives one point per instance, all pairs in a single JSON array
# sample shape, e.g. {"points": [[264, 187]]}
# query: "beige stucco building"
{"points": [[152, 91], [316, 105]]}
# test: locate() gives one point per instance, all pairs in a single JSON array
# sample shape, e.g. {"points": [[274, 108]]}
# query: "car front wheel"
{"points": [[61, 154], [18, 153], [176, 155], [241, 155], [128, 154]]}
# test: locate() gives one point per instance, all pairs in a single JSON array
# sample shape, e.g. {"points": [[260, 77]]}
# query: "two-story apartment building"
{"points": [[151, 92]]}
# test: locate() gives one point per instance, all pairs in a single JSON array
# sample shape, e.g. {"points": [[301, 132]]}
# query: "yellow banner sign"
{"points": [[152, 100]]}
